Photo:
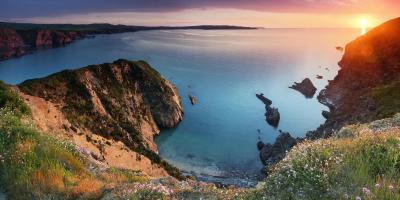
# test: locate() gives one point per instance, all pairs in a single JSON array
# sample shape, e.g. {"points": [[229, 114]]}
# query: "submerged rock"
{"points": [[260, 145], [270, 154], [306, 87], [319, 77]]}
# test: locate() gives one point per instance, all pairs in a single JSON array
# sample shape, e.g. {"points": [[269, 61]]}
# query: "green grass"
{"points": [[388, 100], [33, 165], [10, 100], [360, 156]]}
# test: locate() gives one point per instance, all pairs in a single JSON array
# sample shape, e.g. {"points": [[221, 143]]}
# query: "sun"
{"points": [[364, 22]]}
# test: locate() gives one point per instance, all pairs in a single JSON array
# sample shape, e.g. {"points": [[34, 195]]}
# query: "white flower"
{"points": [[391, 187]]}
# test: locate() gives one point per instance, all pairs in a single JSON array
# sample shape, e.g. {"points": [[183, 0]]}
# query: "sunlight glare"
{"points": [[364, 24]]}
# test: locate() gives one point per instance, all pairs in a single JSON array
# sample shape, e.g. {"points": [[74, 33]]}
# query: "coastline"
{"points": [[17, 39]]}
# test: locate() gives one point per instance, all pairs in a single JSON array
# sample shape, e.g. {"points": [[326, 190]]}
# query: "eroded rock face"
{"points": [[370, 65], [11, 44], [124, 100], [270, 154], [19, 42], [306, 87]]}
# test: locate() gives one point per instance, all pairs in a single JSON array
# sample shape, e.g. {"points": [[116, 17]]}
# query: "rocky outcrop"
{"points": [[124, 101], [339, 48], [306, 87], [367, 85], [272, 115], [192, 99], [15, 43], [270, 154], [264, 99]]}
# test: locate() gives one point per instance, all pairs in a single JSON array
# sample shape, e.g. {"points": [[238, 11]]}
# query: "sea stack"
{"points": [[306, 87], [192, 99], [272, 114]]}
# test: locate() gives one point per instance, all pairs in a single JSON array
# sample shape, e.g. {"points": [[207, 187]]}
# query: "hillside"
{"points": [[122, 102], [39, 164], [357, 161], [367, 86]]}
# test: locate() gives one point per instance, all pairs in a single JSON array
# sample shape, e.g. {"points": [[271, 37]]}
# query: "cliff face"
{"points": [[15, 43], [122, 101], [367, 85], [11, 43]]}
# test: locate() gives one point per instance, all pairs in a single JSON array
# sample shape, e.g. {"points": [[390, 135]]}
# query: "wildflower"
{"points": [[346, 196], [377, 185], [366, 190], [391, 187], [358, 198]]}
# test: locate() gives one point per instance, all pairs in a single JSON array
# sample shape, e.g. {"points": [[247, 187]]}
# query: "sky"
{"points": [[258, 13]]}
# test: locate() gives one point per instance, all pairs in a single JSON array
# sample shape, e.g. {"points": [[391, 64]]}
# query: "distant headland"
{"points": [[18, 39]]}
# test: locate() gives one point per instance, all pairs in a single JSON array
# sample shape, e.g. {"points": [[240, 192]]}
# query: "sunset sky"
{"points": [[260, 13]]}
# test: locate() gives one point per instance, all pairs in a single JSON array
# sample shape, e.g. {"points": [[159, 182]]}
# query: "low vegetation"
{"points": [[359, 162], [34, 165], [388, 99]]}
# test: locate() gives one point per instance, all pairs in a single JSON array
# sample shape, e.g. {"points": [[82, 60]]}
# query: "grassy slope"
{"points": [[79, 108], [360, 160], [387, 98], [34, 165]]}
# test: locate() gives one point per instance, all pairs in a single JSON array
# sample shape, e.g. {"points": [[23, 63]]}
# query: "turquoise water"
{"points": [[224, 70]]}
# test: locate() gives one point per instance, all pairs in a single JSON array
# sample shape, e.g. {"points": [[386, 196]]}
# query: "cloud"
{"points": [[40, 8]]}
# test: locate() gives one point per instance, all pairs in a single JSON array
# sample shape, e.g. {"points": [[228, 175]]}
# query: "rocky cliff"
{"points": [[123, 101], [367, 86], [15, 43], [11, 44]]}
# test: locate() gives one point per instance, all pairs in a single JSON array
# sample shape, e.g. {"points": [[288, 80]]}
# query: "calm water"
{"points": [[223, 69]]}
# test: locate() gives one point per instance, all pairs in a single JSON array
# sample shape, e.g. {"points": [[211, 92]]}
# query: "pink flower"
{"points": [[366, 190], [377, 185], [391, 187]]}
